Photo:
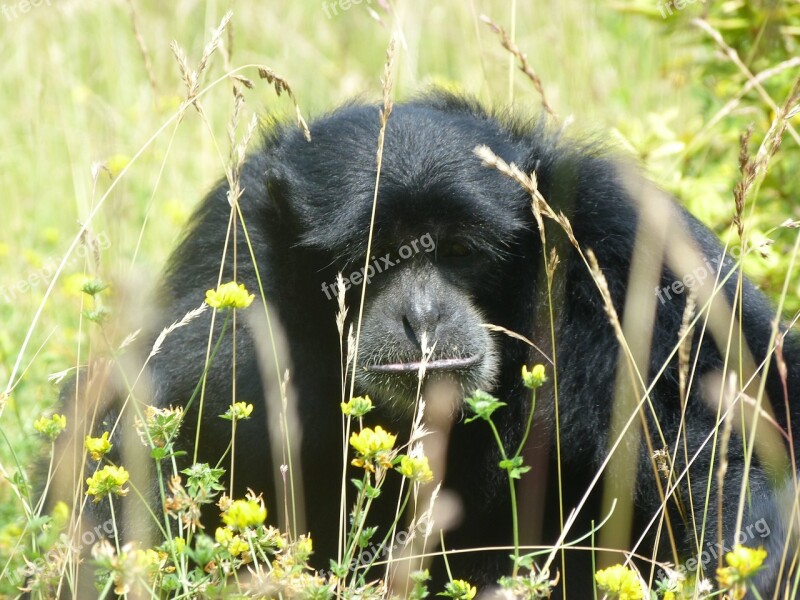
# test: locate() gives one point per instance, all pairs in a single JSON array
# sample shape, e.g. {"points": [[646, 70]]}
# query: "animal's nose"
{"points": [[421, 319]]}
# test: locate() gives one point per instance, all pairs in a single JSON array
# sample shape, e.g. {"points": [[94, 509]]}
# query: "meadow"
{"points": [[103, 159]]}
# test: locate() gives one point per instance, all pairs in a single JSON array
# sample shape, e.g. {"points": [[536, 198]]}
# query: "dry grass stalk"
{"points": [[129, 339], [728, 397], [685, 338], [385, 112], [517, 336], [281, 85], [341, 313], [754, 168], [552, 265], [528, 183], [605, 293], [783, 372], [187, 318], [148, 65], [731, 105], [748, 171], [384, 116], [685, 344], [191, 77], [524, 65], [734, 58], [238, 150]]}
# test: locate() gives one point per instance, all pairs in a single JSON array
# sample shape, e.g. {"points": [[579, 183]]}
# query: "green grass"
{"points": [[77, 94]]}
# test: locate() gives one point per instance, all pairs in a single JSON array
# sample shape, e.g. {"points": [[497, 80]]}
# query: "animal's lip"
{"points": [[440, 364]]}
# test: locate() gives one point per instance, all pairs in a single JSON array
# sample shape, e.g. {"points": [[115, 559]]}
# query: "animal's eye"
{"points": [[452, 249]]}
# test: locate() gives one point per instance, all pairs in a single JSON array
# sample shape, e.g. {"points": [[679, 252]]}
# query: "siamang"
{"points": [[457, 244]]}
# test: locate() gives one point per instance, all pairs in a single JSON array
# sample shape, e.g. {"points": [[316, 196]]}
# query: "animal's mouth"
{"points": [[440, 364]]}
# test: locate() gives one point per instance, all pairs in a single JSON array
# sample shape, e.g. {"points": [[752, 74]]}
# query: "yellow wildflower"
{"points": [[620, 582], [415, 468], [97, 447], [148, 560], [50, 427], [50, 235], [534, 378], [60, 514], [458, 589], [229, 295], [108, 480], [372, 446], [746, 561], [117, 163], [357, 407], [238, 411], [237, 546], [232, 543], [72, 284], [245, 513], [223, 536], [303, 548], [743, 563]]}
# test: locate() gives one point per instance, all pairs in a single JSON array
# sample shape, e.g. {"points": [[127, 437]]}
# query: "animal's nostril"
{"points": [[410, 333], [421, 321]]}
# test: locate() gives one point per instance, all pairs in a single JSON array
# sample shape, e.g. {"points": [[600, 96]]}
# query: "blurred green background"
{"points": [[82, 96]]}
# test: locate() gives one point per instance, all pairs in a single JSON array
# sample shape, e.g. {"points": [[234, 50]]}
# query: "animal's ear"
{"points": [[283, 201], [278, 188]]}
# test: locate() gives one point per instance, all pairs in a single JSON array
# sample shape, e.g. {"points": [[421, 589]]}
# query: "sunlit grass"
{"points": [[84, 105]]}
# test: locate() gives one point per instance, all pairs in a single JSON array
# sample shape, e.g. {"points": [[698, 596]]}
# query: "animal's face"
{"points": [[443, 229], [425, 310]]}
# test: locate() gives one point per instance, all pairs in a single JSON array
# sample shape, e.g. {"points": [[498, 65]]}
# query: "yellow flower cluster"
{"points": [[303, 548], [357, 407], [97, 447], [458, 589], [50, 427], [108, 480], [229, 295], [743, 563], [130, 566], [373, 446], [231, 542], [415, 468], [245, 513], [238, 411], [619, 582], [160, 425], [534, 378]]}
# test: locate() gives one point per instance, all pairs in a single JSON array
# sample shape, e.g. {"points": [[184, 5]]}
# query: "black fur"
{"points": [[307, 208]]}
